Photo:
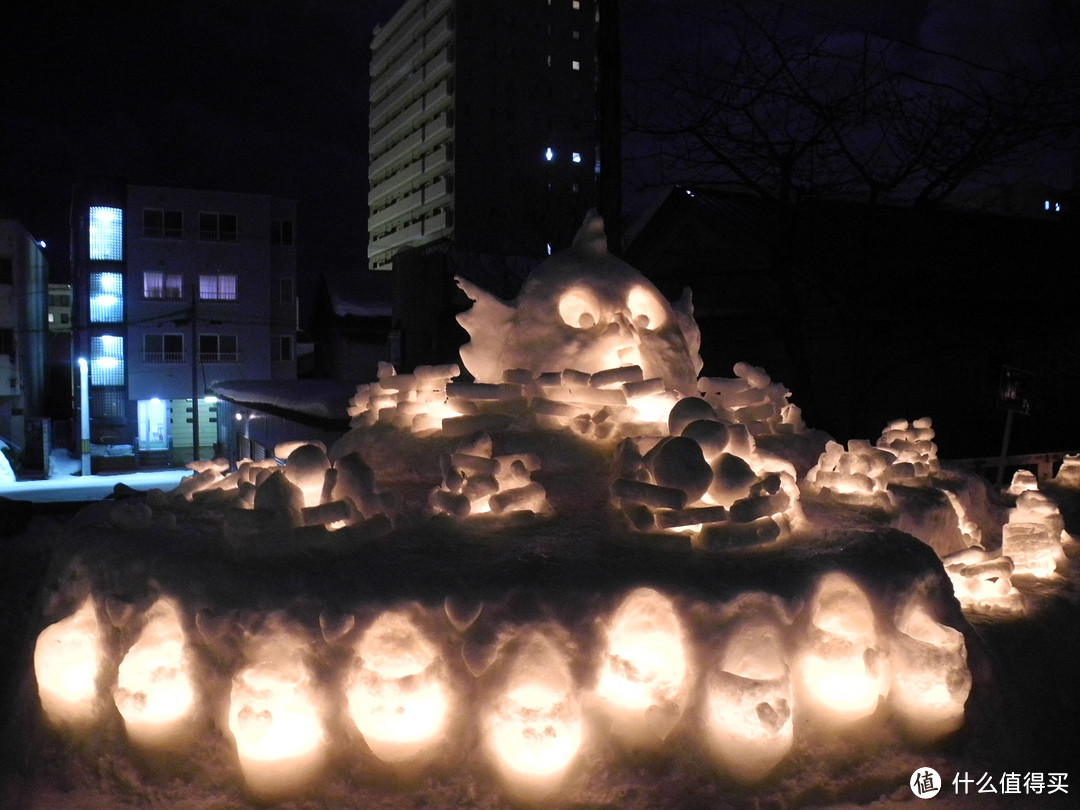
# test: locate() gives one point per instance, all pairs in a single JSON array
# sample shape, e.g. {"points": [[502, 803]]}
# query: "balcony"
{"points": [[164, 358], [219, 357]]}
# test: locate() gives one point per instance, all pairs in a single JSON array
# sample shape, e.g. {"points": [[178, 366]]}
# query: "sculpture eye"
{"points": [[579, 308], [646, 309]]}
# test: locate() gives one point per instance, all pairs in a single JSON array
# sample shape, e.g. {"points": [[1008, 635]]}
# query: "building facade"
{"points": [[484, 126], [175, 289], [24, 280]]}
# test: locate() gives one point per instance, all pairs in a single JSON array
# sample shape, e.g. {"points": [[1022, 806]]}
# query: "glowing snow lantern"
{"points": [[840, 670], [644, 679], [534, 729], [749, 700], [274, 717], [67, 659], [1032, 537], [397, 694], [931, 680], [154, 691]]}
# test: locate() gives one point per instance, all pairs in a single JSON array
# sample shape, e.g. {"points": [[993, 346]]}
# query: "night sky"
{"points": [[271, 97]]}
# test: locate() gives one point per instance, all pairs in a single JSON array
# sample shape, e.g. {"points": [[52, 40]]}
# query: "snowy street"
{"points": [[75, 488]]}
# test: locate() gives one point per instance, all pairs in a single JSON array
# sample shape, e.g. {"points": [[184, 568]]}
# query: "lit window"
{"points": [[576, 4], [218, 287], [106, 298], [577, 35], [575, 65], [549, 155], [106, 234], [106, 360], [163, 285], [576, 157]]}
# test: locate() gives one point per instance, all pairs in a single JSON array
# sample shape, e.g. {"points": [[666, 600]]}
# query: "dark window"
{"points": [[281, 232], [7, 270], [215, 227], [163, 224]]}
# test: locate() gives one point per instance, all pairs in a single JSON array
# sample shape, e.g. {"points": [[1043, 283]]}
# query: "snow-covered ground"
{"points": [[77, 488]]}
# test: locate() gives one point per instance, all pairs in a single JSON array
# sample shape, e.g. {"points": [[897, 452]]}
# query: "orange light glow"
{"points": [[154, 690], [840, 669], [644, 678], [535, 727], [398, 696], [274, 717], [67, 659]]}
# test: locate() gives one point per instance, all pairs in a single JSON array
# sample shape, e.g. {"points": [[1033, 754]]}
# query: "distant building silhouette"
{"points": [[485, 136]]}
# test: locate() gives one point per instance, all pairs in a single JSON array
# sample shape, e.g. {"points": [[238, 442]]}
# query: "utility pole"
{"points": [[195, 370]]}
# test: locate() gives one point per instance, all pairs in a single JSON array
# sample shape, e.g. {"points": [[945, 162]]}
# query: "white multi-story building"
{"points": [[174, 290], [484, 126]]}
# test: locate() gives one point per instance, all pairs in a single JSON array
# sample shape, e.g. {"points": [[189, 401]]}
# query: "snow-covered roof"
{"points": [[321, 399]]}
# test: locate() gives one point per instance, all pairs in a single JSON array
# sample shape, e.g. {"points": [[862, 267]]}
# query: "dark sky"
{"points": [[243, 95], [270, 96]]}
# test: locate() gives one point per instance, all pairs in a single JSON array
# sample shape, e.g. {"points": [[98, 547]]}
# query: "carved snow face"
{"points": [[587, 310]]}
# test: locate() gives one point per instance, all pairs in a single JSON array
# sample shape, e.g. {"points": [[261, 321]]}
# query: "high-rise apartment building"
{"points": [[484, 126], [175, 289]]}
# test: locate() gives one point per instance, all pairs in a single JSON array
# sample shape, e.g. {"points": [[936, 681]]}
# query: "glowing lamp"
{"points": [[274, 718], [154, 692], [534, 728], [67, 660], [749, 700], [398, 696], [644, 679], [931, 680], [840, 670]]}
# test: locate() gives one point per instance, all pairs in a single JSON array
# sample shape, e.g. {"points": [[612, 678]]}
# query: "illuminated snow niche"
{"points": [[749, 700], [644, 679], [1032, 537], [534, 728], [67, 660], [154, 690], [397, 693], [274, 717], [840, 668], [931, 680]]}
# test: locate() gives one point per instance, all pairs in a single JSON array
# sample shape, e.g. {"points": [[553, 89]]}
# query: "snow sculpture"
{"points": [[534, 727], [982, 581], [67, 661], [582, 309], [754, 400], [1068, 474], [913, 445], [841, 668], [474, 482], [931, 681], [274, 715], [855, 475], [154, 690], [397, 692], [749, 702], [1032, 537], [645, 677], [707, 477]]}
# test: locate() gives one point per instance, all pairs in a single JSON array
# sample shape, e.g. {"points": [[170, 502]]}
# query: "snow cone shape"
{"points": [[154, 691], [67, 659], [840, 669], [397, 693], [534, 728], [749, 700], [931, 680], [274, 717], [644, 680]]}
